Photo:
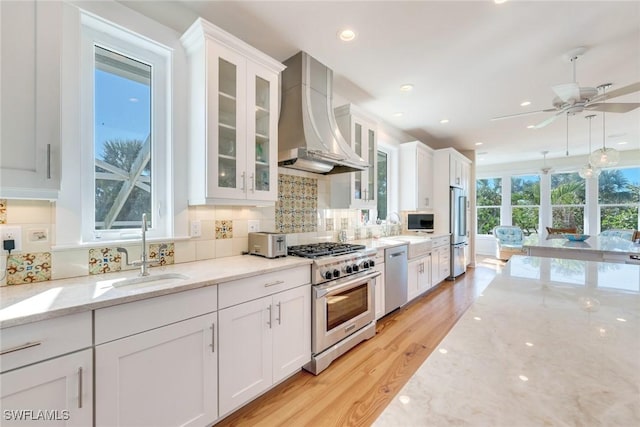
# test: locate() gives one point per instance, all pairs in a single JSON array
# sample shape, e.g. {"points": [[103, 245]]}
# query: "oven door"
{"points": [[342, 307]]}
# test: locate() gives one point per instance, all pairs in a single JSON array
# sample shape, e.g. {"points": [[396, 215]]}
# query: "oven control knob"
{"points": [[355, 268], [371, 263], [336, 273], [348, 269], [365, 265], [328, 275]]}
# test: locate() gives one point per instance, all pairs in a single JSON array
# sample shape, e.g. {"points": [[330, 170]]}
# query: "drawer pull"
{"points": [[80, 387], [213, 338], [277, 282], [20, 347]]}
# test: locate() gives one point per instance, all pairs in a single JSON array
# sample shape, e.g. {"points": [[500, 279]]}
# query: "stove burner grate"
{"points": [[315, 250]]}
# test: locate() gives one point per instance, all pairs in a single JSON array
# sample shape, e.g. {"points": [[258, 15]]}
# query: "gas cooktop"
{"points": [[316, 250]]}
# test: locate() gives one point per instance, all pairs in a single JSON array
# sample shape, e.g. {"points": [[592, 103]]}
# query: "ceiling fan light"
{"points": [[604, 157], [588, 171]]}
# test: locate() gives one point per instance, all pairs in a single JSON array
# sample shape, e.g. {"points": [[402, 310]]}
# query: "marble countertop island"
{"points": [[549, 342], [595, 248]]}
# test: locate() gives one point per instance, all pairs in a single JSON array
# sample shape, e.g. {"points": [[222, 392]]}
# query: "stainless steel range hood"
{"points": [[308, 135]]}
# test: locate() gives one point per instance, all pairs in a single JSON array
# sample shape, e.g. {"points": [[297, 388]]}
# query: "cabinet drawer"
{"points": [[239, 291], [441, 241], [119, 321], [25, 344]]}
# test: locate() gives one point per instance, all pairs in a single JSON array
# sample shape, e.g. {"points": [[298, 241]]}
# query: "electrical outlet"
{"points": [[12, 232], [253, 225], [196, 228]]}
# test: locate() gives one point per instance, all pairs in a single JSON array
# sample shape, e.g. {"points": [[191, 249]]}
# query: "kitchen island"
{"points": [[549, 342], [595, 248]]}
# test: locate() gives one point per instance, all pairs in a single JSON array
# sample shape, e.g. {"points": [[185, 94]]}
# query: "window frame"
{"points": [[552, 206], [98, 32], [538, 206], [499, 207], [599, 205]]}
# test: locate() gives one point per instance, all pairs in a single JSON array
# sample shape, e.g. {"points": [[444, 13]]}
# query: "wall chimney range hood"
{"points": [[308, 135]]}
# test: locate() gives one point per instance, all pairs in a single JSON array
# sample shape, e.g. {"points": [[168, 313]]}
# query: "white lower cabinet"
{"points": [[419, 276], [56, 392], [163, 377], [262, 342], [380, 285], [441, 258]]}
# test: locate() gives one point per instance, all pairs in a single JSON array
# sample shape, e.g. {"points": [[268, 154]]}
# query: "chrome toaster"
{"points": [[268, 244]]}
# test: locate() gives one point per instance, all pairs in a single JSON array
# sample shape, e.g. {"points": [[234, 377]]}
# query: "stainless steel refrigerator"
{"points": [[458, 230]]}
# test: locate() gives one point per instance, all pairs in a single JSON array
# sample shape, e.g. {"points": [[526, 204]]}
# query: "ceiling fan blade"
{"points": [[634, 87], [613, 107], [548, 121], [548, 110], [567, 91]]}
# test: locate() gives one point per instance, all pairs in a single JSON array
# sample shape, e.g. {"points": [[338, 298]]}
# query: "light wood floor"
{"points": [[357, 387]]}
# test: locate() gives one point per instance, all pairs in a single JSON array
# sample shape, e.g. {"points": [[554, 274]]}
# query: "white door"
{"points": [[413, 276], [62, 388], [291, 331], [163, 377], [425, 179], [246, 360], [380, 290]]}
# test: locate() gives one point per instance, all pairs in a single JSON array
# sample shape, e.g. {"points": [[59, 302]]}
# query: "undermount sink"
{"points": [[418, 245], [157, 279]]}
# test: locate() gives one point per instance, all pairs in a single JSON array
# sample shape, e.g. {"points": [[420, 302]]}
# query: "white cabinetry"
{"points": [[264, 340], [448, 162], [30, 97], [419, 276], [440, 260], [416, 176], [234, 119], [161, 369], [61, 387], [380, 284], [356, 189]]}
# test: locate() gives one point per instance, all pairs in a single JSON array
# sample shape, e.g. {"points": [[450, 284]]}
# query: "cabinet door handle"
{"points": [[20, 347], [279, 313], [213, 337], [80, 387], [244, 181], [48, 161], [277, 282], [252, 182], [269, 321]]}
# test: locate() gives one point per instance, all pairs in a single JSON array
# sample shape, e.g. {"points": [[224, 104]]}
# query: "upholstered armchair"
{"points": [[623, 234], [509, 241]]}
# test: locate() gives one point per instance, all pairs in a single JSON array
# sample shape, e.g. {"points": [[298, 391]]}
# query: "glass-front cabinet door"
{"points": [[365, 145], [357, 176], [262, 123]]}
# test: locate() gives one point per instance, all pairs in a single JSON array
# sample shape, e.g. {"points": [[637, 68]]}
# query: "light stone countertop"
{"points": [[392, 241], [27, 303], [549, 342], [592, 244]]}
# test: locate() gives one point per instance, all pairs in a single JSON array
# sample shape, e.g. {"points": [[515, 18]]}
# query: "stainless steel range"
{"points": [[343, 304]]}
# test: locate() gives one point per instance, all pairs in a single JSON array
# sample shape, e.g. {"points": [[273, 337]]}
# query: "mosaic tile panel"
{"points": [[297, 205], [104, 260], [224, 229], [344, 223], [328, 224], [164, 252], [28, 268], [3, 211]]}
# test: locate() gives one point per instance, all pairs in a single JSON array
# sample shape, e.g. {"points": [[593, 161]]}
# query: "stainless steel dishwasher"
{"points": [[395, 272]]}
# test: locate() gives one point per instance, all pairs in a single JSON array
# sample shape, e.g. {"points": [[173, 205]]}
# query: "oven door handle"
{"points": [[338, 286]]}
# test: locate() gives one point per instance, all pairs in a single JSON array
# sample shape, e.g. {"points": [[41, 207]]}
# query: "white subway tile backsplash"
{"points": [[205, 249]]}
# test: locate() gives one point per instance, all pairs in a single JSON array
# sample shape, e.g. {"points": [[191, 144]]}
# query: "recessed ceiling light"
{"points": [[443, 121], [479, 143], [346, 35], [499, 1], [398, 114], [406, 87], [525, 103], [623, 142], [531, 126]]}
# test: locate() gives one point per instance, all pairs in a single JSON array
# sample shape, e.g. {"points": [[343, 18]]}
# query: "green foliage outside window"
{"points": [[567, 200], [525, 199], [619, 198], [488, 201]]}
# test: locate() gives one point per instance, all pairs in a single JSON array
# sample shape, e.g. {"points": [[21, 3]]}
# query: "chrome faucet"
{"points": [[143, 262]]}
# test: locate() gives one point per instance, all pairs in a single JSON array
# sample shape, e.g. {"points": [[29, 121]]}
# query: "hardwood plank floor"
{"points": [[356, 388]]}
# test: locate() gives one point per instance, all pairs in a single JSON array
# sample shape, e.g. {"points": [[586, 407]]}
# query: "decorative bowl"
{"points": [[577, 237]]}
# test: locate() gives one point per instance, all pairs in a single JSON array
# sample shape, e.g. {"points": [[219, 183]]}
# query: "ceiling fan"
{"points": [[571, 98]]}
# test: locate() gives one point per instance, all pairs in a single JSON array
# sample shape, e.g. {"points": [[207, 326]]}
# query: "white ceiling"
{"points": [[468, 61]]}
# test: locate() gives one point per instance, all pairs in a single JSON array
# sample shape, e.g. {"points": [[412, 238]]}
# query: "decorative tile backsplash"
{"points": [[104, 260], [163, 252], [224, 229], [28, 268], [297, 205], [3, 211]]}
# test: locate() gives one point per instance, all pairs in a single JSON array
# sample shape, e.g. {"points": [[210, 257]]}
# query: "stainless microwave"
{"points": [[420, 222]]}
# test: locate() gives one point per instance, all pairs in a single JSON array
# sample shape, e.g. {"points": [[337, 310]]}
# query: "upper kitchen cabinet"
{"points": [[357, 189], [233, 139], [416, 176], [30, 47]]}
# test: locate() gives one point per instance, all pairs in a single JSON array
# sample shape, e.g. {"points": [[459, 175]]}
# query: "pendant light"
{"points": [[604, 157], [589, 171]]}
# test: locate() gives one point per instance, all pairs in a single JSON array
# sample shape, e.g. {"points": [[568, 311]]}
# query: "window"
{"points": [[567, 201], [525, 202], [125, 133], [619, 198], [383, 184], [488, 202]]}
